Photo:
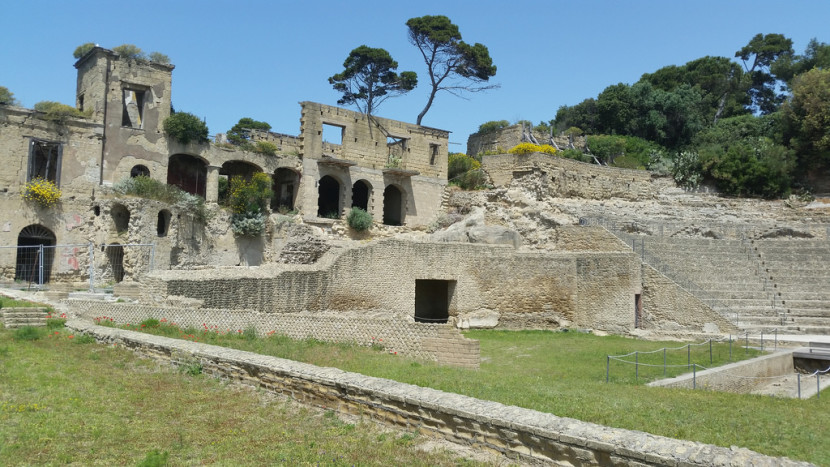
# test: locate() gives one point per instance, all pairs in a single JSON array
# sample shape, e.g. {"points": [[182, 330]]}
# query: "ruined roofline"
{"points": [[304, 104], [113, 54]]}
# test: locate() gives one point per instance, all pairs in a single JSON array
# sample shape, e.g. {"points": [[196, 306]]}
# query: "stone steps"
{"points": [[19, 317]]}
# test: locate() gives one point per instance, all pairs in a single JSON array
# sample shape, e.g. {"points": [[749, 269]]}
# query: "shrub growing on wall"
{"points": [[57, 112], [41, 191], [185, 127], [359, 220], [530, 148], [248, 199], [146, 187], [465, 171]]}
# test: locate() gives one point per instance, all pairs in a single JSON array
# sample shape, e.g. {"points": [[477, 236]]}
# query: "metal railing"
{"points": [[37, 266]]}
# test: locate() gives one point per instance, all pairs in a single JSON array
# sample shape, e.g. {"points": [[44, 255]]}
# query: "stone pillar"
{"points": [[212, 188]]}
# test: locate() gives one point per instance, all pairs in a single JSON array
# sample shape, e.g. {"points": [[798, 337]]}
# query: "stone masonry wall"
{"points": [[441, 343], [504, 139], [513, 431], [569, 178], [527, 290], [667, 307]]}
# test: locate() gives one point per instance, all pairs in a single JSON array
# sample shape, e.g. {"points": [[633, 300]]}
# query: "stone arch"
{"points": [[328, 197], [120, 217], [394, 205], [163, 223], [286, 183], [30, 256], [188, 173], [237, 168], [139, 171], [361, 193], [115, 257]]}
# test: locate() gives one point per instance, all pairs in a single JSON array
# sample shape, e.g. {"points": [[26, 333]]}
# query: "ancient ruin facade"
{"points": [[394, 170]]}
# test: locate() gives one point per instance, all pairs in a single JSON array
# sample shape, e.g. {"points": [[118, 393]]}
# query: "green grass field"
{"points": [[66, 400], [564, 374]]}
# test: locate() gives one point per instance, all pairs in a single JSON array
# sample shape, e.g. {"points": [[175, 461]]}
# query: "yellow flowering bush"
{"points": [[529, 148], [43, 192]]}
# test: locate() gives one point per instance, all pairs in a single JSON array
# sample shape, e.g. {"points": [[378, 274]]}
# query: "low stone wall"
{"points": [[441, 343], [740, 377], [513, 431], [569, 178]]}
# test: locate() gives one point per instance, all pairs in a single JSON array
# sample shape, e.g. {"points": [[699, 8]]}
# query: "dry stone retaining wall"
{"points": [[569, 178], [516, 432], [441, 343]]}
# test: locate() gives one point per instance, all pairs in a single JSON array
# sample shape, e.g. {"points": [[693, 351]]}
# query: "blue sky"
{"points": [[259, 59]]}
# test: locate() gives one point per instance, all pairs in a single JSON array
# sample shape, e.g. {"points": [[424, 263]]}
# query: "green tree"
{"points": [[369, 78], [583, 116], [240, 133], [185, 127], [452, 64], [159, 57], [816, 55], [762, 51], [806, 118], [7, 97], [492, 125], [129, 52], [83, 49]]}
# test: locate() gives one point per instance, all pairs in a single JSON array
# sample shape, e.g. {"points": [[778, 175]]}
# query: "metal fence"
{"points": [[101, 266]]}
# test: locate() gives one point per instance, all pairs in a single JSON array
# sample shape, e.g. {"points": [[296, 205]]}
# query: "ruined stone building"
{"points": [[394, 170]]}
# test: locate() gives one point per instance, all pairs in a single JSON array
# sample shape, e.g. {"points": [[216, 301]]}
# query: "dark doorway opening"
{"points": [[432, 300], [638, 311], [121, 217], [30, 256], [115, 256], [285, 186], [188, 173], [392, 206], [163, 223], [328, 198], [360, 194]]}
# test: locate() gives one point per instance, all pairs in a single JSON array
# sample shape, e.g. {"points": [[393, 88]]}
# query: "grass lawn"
{"points": [[564, 374], [65, 399]]}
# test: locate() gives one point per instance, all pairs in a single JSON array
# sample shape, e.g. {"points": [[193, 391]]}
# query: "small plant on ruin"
{"points": [[465, 171], [248, 199], [185, 128], [57, 112], [41, 191], [146, 187], [529, 148], [266, 148], [359, 220]]}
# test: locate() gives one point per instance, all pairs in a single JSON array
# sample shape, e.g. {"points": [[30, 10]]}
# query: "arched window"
{"points": [[35, 248], [393, 206], [188, 173], [328, 198], [139, 171], [361, 191]]}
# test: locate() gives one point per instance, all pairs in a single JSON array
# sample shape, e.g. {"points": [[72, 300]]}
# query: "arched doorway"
{"points": [[115, 257], [35, 248], [286, 182], [139, 171], [188, 173], [328, 198], [393, 206], [360, 194]]}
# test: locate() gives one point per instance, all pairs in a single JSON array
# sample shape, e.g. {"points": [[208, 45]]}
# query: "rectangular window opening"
{"points": [[333, 134], [133, 111], [433, 153], [432, 300], [45, 161]]}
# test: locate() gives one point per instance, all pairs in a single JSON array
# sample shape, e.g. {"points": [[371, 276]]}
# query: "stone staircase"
{"points": [[800, 274], [725, 274], [23, 316]]}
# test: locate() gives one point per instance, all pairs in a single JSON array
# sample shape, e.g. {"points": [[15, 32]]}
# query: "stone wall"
{"points": [[525, 289], [569, 178], [740, 377], [504, 139], [668, 307], [515, 432], [441, 343]]}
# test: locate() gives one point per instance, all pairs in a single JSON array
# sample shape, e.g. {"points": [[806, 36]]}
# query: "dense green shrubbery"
{"points": [[465, 171], [359, 220], [491, 126], [146, 187], [248, 200], [576, 155], [57, 112], [265, 147], [185, 127]]}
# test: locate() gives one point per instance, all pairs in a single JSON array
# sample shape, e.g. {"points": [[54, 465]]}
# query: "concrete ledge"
{"points": [[513, 431]]}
